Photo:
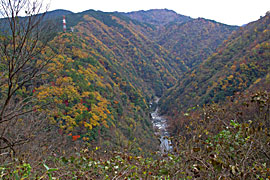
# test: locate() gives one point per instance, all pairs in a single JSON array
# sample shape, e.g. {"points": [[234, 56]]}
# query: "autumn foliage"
{"points": [[80, 105]]}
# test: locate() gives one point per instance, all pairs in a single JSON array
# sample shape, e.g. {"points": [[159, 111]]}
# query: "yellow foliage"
{"points": [[79, 53], [257, 81], [88, 125], [77, 109], [233, 67], [100, 84], [193, 75], [69, 121], [64, 91], [85, 138], [62, 80], [86, 94], [230, 77], [266, 31], [105, 124]]}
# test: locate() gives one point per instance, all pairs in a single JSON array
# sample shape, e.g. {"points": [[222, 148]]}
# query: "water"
{"points": [[160, 126]]}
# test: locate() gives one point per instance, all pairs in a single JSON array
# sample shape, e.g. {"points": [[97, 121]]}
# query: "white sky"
{"points": [[232, 12]]}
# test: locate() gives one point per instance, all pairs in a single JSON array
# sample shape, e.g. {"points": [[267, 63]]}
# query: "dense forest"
{"points": [[76, 103], [241, 62]]}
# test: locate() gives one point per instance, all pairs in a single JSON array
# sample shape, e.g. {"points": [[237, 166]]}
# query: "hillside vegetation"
{"points": [[158, 17], [76, 104], [239, 63], [193, 41], [189, 40]]}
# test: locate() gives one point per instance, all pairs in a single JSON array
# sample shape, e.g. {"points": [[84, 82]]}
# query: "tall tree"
{"points": [[23, 59]]}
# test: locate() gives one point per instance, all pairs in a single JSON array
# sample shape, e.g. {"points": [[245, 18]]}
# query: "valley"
{"points": [[101, 99], [160, 127]]}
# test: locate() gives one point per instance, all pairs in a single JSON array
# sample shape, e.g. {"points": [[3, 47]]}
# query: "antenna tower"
{"points": [[64, 24]]}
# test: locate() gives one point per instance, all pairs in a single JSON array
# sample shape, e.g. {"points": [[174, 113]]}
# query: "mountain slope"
{"points": [[241, 62], [128, 63], [195, 40], [158, 17], [108, 67], [57, 13], [189, 40], [139, 56], [107, 73]]}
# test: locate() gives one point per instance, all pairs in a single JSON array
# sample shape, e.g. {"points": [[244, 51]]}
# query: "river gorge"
{"points": [[160, 127]]}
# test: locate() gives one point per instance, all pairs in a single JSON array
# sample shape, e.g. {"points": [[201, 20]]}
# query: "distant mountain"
{"points": [[194, 40], [124, 38], [240, 63], [57, 13], [51, 19], [158, 16], [189, 40]]}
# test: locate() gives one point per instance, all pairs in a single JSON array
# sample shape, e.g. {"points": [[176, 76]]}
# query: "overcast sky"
{"points": [[232, 12]]}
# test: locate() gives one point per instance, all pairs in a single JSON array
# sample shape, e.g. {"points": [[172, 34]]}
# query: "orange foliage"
{"points": [[74, 138]]}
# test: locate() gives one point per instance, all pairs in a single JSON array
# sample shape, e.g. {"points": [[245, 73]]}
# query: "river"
{"points": [[160, 127]]}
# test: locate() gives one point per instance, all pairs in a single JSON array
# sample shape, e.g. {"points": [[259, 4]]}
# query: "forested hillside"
{"points": [[193, 41], [122, 39], [189, 40], [77, 104], [96, 84], [239, 63], [102, 78], [130, 61], [128, 68], [158, 17]]}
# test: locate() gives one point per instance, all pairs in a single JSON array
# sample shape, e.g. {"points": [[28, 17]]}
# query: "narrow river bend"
{"points": [[160, 127]]}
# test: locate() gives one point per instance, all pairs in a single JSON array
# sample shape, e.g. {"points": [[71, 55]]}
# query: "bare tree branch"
{"points": [[22, 61]]}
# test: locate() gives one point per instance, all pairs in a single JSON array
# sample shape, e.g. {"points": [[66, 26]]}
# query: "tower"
{"points": [[64, 24]]}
